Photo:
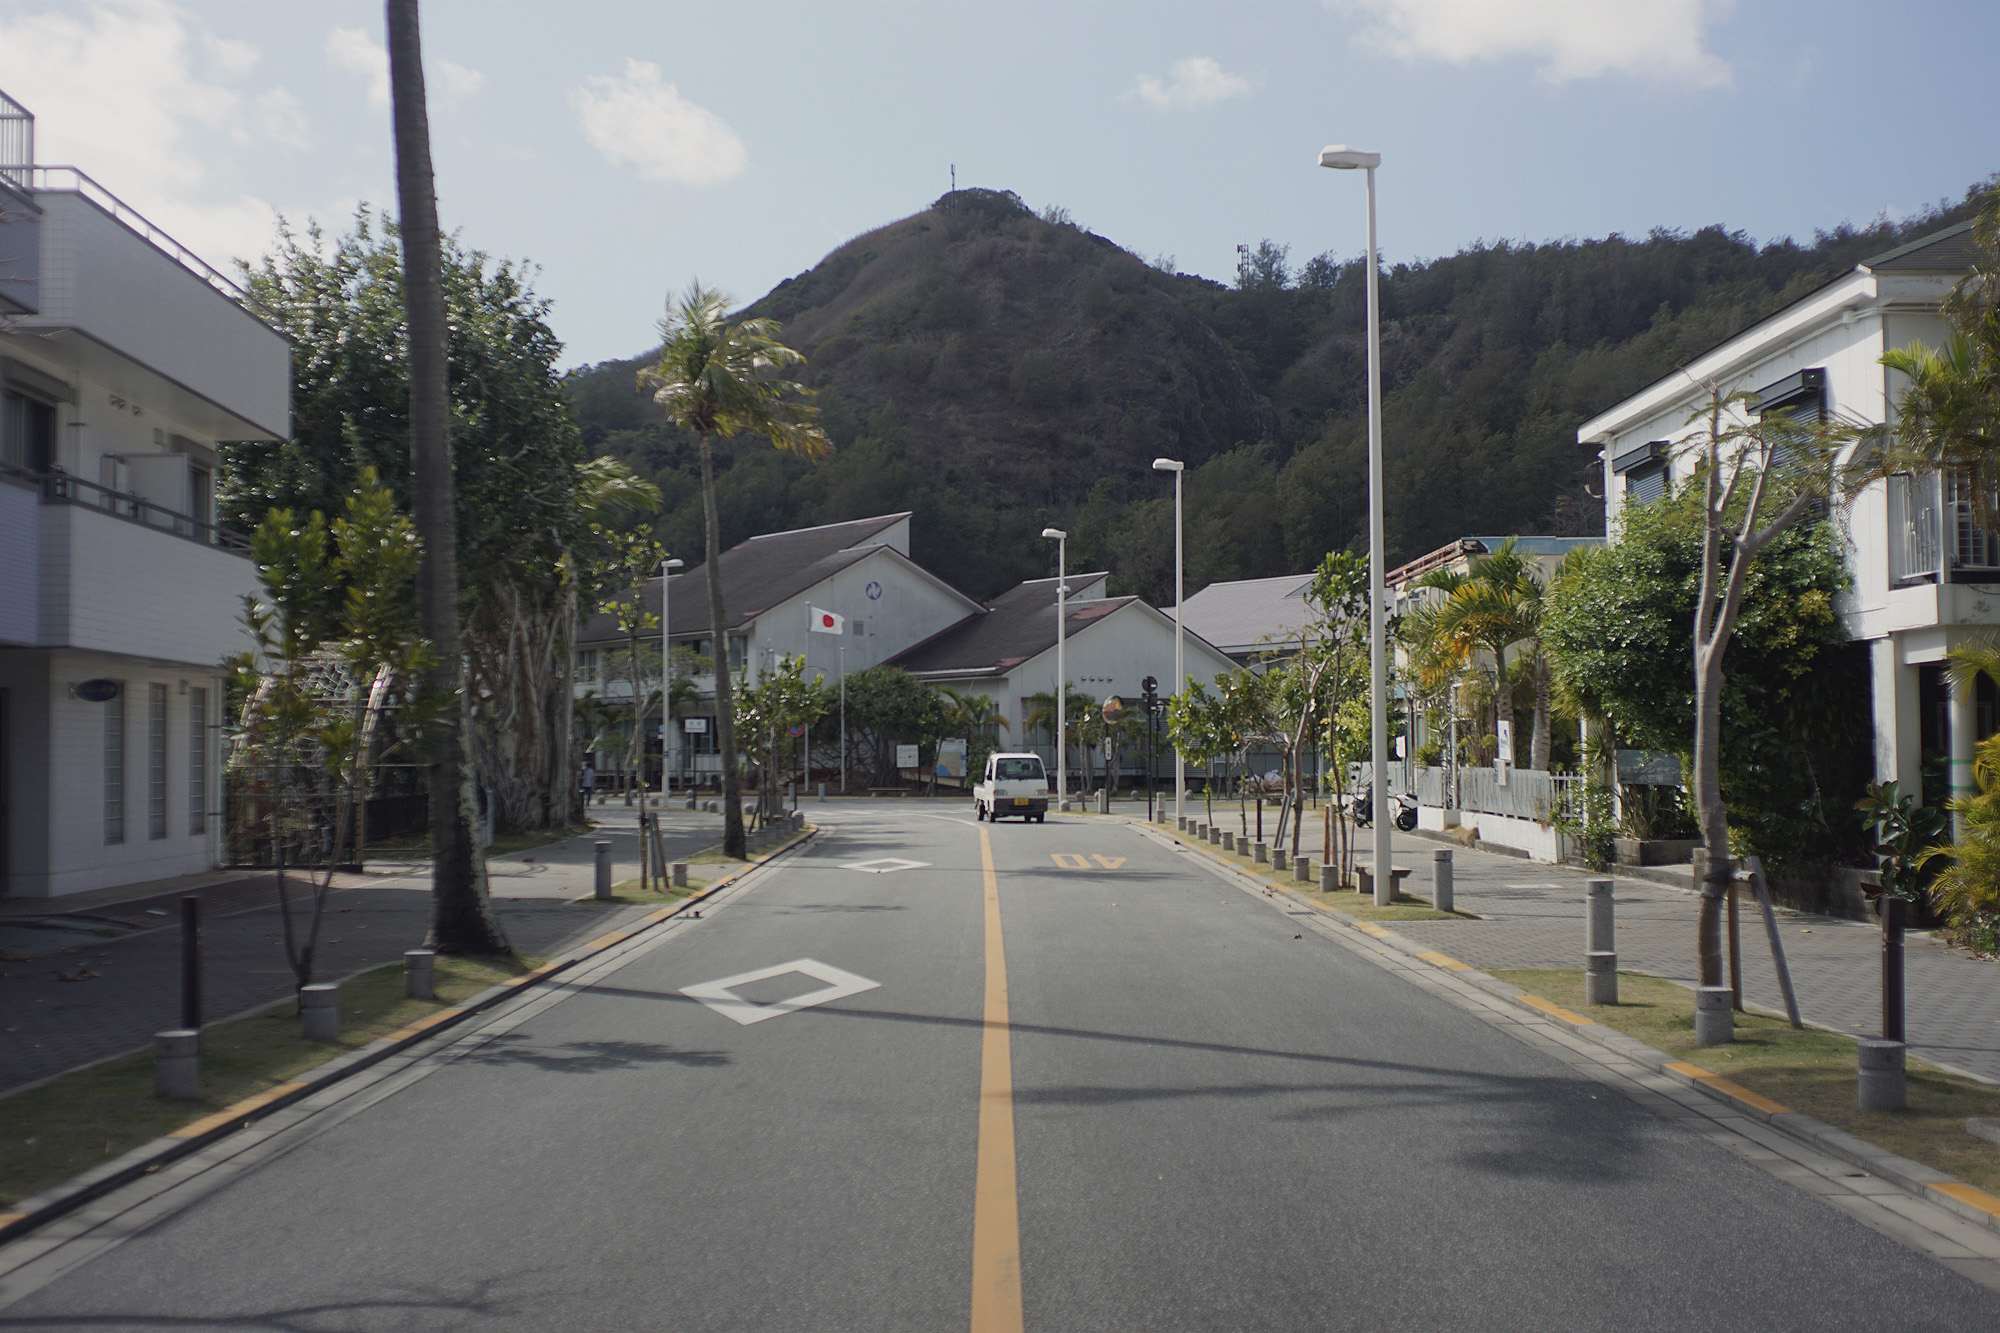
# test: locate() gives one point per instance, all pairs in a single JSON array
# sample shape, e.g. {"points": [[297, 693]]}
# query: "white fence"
{"points": [[1528, 794]]}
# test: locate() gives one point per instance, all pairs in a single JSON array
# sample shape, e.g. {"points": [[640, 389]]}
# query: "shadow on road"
{"points": [[589, 1057]]}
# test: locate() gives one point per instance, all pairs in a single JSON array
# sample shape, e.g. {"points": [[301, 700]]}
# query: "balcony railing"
{"points": [[1932, 520], [61, 488], [69, 180]]}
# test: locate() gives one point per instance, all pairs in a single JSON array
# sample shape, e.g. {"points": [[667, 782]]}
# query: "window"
{"points": [[197, 763], [739, 651], [27, 432], [1019, 770], [698, 735], [1645, 470], [114, 769], [156, 761], [201, 498], [586, 664]]}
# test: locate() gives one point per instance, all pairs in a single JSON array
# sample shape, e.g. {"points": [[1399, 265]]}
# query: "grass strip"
{"points": [[72, 1123], [1405, 908], [1810, 1071], [628, 892]]}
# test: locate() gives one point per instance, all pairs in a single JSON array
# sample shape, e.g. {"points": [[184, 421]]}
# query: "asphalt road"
{"points": [[1220, 1120]]}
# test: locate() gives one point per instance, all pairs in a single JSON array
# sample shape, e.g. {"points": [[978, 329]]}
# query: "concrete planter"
{"points": [[1653, 851]]}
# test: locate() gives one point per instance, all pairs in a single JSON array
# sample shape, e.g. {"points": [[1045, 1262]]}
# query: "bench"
{"points": [[1365, 880], [888, 791]]}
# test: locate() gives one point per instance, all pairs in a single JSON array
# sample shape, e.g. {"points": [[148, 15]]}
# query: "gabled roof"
{"points": [[1019, 625], [1947, 251], [1245, 614], [761, 573]]}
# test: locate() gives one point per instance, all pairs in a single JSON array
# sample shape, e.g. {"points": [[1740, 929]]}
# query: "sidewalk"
{"points": [[1532, 915], [71, 997]]}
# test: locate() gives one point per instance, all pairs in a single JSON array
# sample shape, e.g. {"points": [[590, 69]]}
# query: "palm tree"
{"points": [[720, 377], [1494, 605], [966, 714], [1041, 715], [462, 919]]}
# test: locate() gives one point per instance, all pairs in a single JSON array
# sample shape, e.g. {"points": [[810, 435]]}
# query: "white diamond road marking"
{"points": [[721, 997], [885, 865]]}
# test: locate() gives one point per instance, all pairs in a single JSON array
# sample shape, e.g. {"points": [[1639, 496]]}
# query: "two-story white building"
{"points": [[1924, 576], [123, 360]]}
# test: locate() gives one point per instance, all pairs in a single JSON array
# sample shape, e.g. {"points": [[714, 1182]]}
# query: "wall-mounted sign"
{"points": [[99, 691], [906, 756], [1649, 768], [874, 591], [694, 726]]}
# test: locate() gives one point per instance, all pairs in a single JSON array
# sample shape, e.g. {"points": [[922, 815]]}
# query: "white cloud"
{"points": [[638, 120], [1194, 82], [135, 94], [1664, 40], [353, 51]]}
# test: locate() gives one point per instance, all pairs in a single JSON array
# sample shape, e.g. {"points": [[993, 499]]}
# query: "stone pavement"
{"points": [[71, 997], [1532, 915]]}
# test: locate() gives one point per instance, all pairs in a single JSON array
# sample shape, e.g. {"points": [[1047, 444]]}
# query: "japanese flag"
{"points": [[826, 622]]}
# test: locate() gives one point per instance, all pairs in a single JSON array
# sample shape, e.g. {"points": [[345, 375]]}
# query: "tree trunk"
{"points": [[725, 707], [1538, 750], [462, 919], [1708, 806]]}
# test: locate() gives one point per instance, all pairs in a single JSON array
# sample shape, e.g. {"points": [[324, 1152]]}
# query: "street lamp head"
{"points": [[1168, 465], [673, 564], [1054, 534], [1343, 158]]}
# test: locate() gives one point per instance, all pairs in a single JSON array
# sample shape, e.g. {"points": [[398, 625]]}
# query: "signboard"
{"points": [[694, 726], [906, 756], [98, 691], [1503, 756], [951, 759], [1649, 768]]}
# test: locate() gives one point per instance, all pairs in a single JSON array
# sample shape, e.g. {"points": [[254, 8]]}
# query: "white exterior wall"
{"points": [[908, 607], [106, 281], [1844, 330], [20, 565], [120, 587], [57, 782]]}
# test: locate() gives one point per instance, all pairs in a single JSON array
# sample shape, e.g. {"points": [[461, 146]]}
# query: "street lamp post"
{"points": [[1061, 540], [1177, 467], [667, 568], [1343, 158], [843, 719]]}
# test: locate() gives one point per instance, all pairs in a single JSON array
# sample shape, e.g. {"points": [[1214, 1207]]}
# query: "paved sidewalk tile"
{"points": [[1532, 915], [97, 998]]}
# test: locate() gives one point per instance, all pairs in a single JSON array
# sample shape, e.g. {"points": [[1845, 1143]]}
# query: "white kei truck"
{"points": [[1015, 786]]}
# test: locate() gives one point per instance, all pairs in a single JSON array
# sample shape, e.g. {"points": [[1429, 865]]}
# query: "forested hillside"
{"points": [[997, 371]]}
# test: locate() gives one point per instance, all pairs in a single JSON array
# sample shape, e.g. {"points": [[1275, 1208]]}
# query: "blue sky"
{"points": [[626, 148]]}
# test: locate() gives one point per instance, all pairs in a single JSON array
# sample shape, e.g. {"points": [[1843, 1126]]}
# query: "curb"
{"points": [[1924, 1182], [58, 1200]]}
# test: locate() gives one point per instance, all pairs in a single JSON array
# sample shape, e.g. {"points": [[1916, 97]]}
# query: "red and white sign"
{"points": [[826, 622]]}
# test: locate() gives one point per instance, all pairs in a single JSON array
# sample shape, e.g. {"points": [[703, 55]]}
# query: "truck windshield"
{"points": [[1018, 770]]}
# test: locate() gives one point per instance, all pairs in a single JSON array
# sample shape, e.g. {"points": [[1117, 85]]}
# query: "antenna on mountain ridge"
{"points": [[954, 178]]}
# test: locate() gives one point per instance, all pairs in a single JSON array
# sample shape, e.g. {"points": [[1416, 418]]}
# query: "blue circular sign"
{"points": [[99, 691], [874, 592]]}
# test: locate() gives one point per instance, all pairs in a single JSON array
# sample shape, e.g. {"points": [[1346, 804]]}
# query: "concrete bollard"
{"points": [[1260, 852], [1364, 881], [1277, 858], [1881, 1084], [319, 1008], [177, 1064], [1329, 877], [1714, 1020], [822, 793], [680, 873], [1302, 870], [420, 974], [602, 886], [1441, 888], [1599, 933], [1600, 978], [1228, 841], [1180, 823], [1215, 837]]}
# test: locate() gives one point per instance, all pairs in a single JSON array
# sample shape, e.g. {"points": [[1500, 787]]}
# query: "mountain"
{"points": [[997, 371]]}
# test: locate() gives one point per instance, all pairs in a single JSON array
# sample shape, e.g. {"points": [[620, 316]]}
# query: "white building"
{"points": [[123, 360], [860, 572], [1924, 577], [1249, 619], [1110, 645]]}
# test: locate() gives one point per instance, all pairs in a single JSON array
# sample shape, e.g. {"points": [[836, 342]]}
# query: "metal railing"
{"points": [[62, 488], [1926, 511], [1529, 793], [69, 180]]}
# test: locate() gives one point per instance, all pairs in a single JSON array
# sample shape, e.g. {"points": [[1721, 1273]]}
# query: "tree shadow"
{"points": [[588, 1057], [405, 1309]]}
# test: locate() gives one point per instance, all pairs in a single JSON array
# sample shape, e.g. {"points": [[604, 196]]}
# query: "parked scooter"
{"points": [[1406, 812], [1362, 807]]}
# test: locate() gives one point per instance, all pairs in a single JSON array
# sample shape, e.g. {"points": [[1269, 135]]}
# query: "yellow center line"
{"points": [[996, 1222]]}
